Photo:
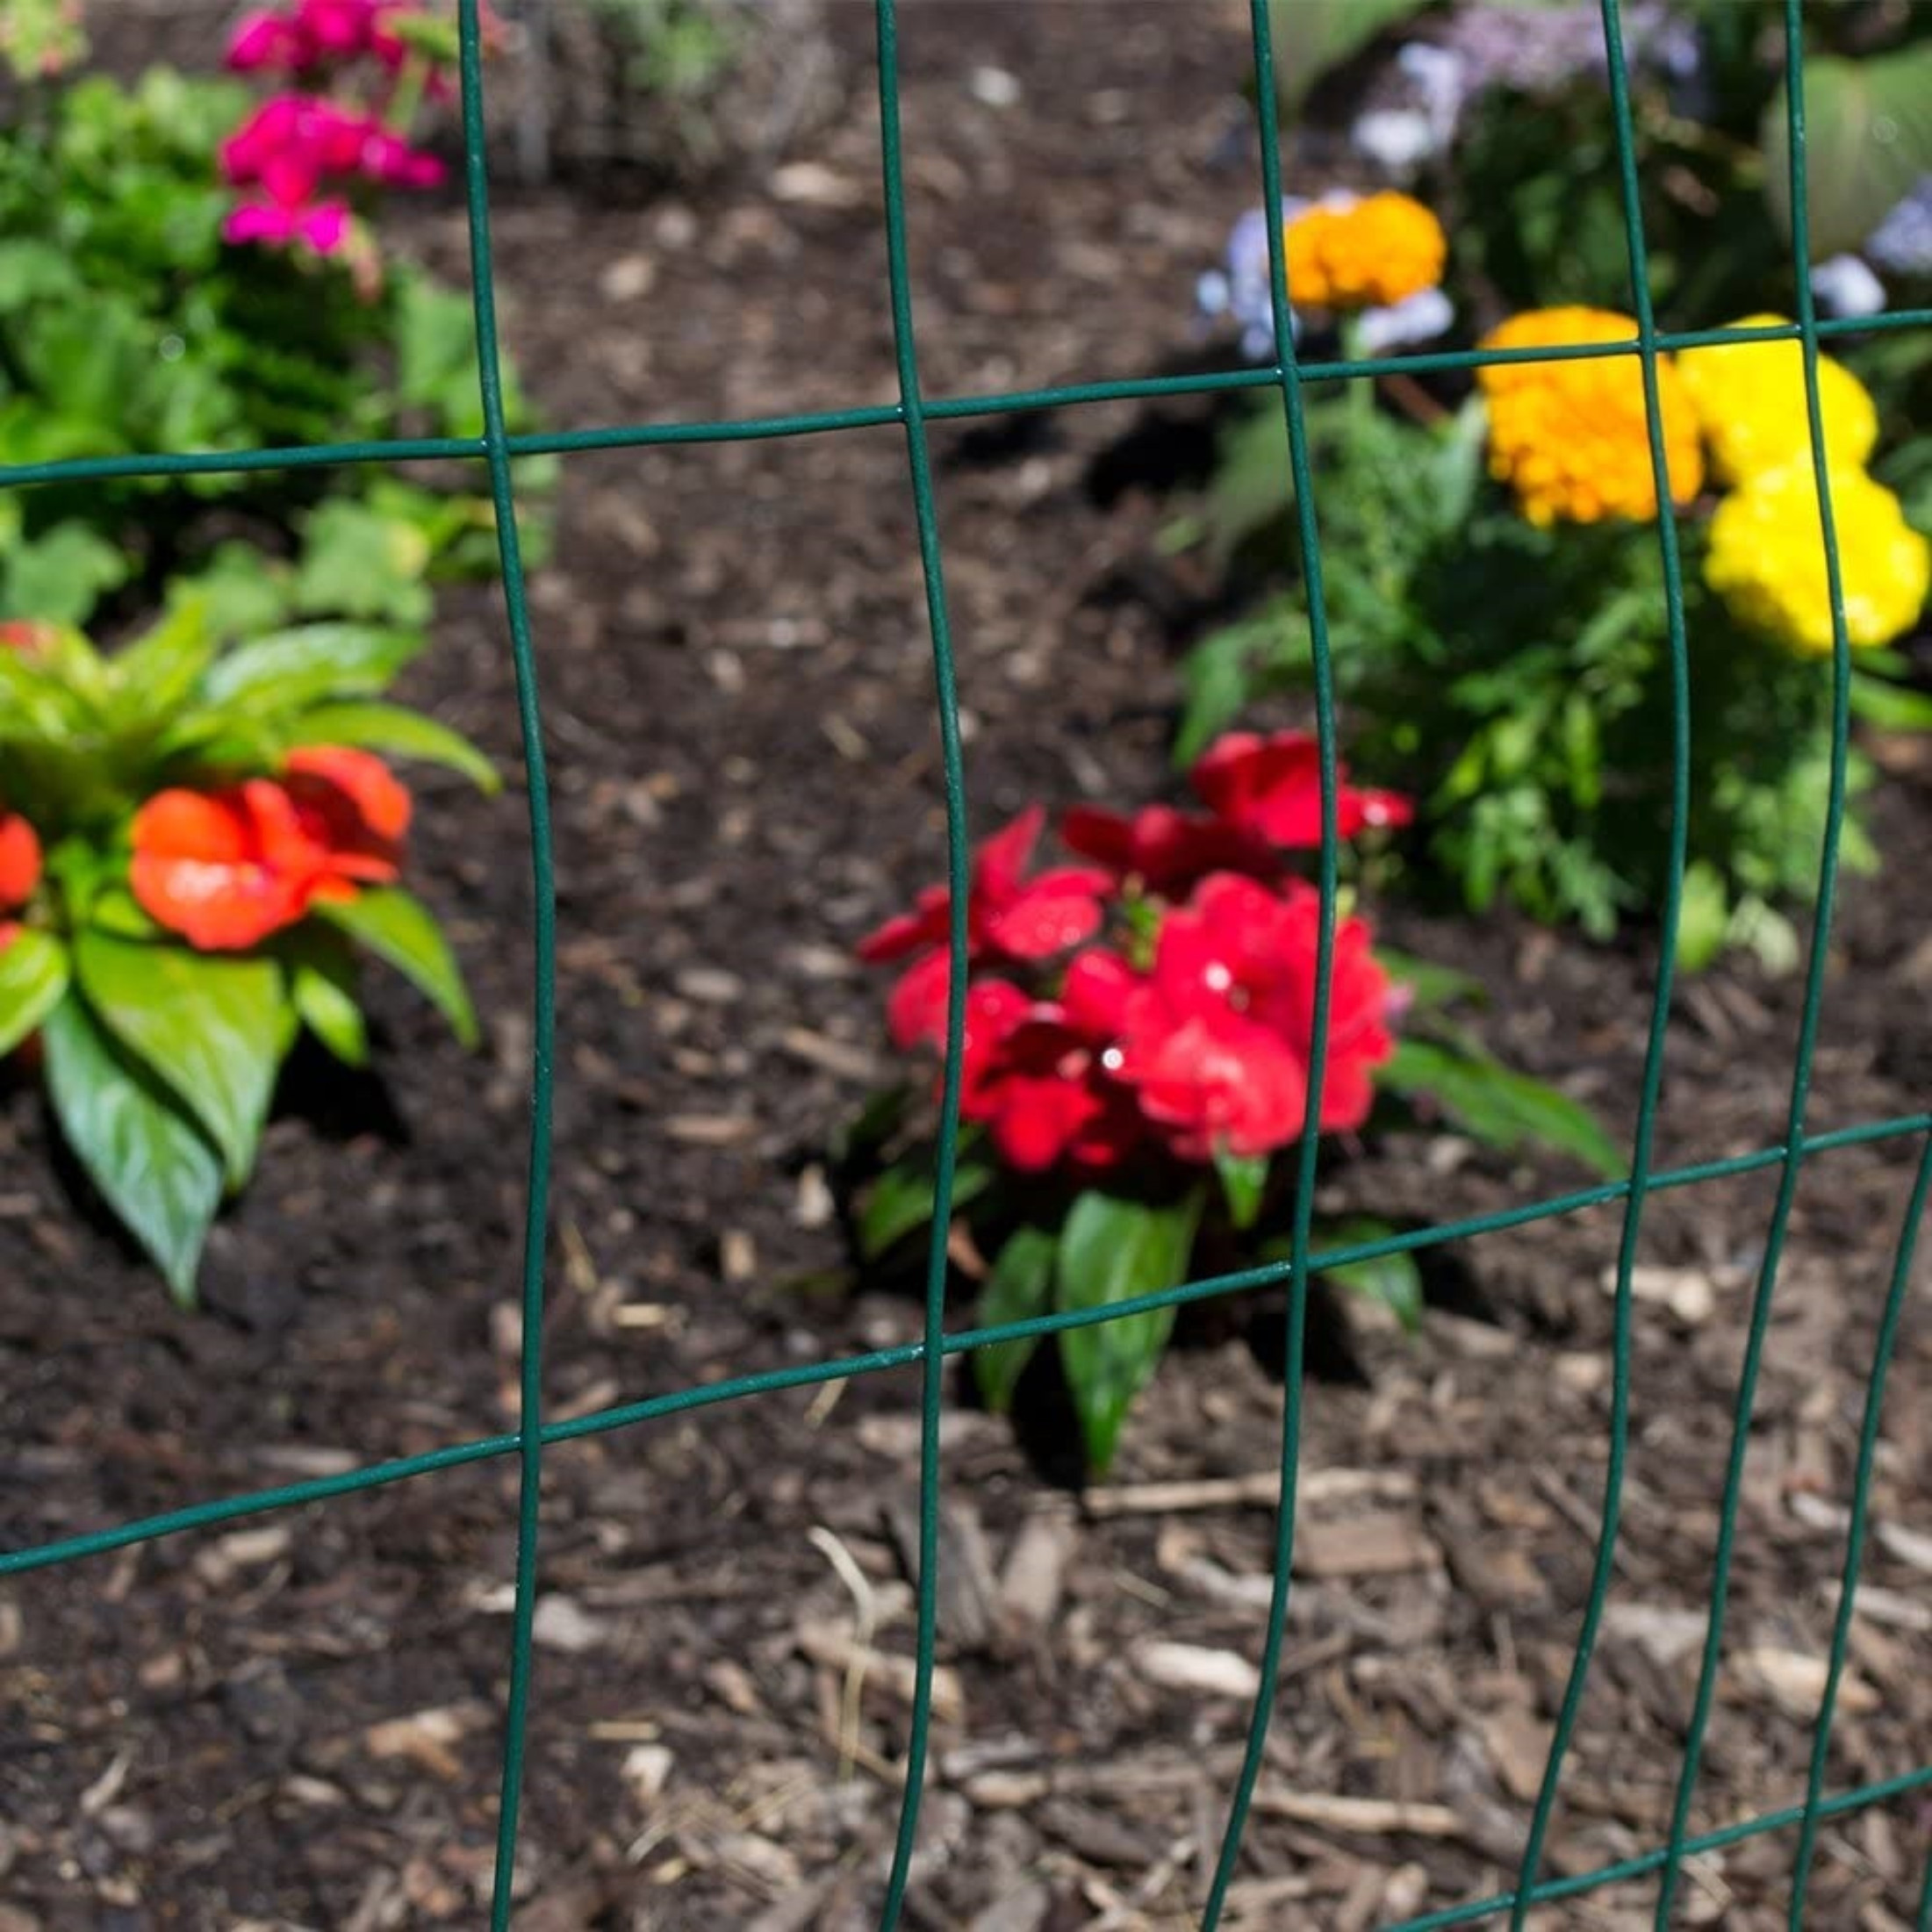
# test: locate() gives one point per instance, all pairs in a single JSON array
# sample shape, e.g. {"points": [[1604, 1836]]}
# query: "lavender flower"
{"points": [[1845, 285], [1902, 242]]}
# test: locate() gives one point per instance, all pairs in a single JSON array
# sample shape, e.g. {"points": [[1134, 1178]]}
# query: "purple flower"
{"points": [[1902, 242]]}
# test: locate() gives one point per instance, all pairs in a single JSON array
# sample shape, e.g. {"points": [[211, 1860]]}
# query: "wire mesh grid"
{"points": [[913, 411]]}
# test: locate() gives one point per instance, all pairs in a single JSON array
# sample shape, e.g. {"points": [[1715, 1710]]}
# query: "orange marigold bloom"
{"points": [[1571, 438], [226, 869], [1366, 253]]}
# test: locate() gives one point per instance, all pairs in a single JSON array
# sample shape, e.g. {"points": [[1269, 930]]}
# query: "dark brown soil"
{"points": [[296, 1723]]}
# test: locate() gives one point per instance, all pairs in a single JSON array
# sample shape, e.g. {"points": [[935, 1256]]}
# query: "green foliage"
{"points": [[163, 1041], [1516, 682], [128, 326]]}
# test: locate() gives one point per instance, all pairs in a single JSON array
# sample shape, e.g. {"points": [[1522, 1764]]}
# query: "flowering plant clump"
{"points": [[194, 838], [1139, 1049], [134, 321], [360, 68]]}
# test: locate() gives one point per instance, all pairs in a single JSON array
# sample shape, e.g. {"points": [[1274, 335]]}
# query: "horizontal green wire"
{"points": [[320, 1489], [564, 442], [1645, 1863]]}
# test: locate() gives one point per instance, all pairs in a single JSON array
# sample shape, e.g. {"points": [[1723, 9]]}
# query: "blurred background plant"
{"points": [[1500, 639]]}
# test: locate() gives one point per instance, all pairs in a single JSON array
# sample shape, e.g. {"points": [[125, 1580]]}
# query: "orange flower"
{"points": [[1367, 253], [1570, 437], [225, 869]]}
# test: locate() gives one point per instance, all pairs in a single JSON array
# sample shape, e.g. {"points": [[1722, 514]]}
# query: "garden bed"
{"points": [[296, 1722]]}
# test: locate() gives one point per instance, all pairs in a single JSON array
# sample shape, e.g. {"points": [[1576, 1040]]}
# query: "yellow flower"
{"points": [[1366, 253], [1766, 559], [1569, 437], [1749, 398]]}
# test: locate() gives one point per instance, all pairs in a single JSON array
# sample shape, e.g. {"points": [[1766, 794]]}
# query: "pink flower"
{"points": [[1271, 787], [1008, 916], [322, 226], [266, 40]]}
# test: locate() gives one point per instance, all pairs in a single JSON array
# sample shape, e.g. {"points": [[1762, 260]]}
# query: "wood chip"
{"points": [[826, 1644], [1373, 1817], [1261, 1490], [222, 1561], [1795, 1682], [832, 1056], [711, 1129], [561, 1623], [1036, 1569], [425, 1738], [1377, 1543], [1191, 1667]]}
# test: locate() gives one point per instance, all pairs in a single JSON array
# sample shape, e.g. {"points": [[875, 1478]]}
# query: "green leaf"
{"points": [[1020, 1287], [900, 1201], [1392, 1280], [158, 1172], [356, 562], [1313, 37], [1110, 1251], [400, 733], [211, 1029], [62, 575], [1498, 1106], [156, 674], [1244, 1181], [401, 930], [1704, 916], [1868, 138], [34, 976], [322, 987], [1882, 703], [1431, 985], [293, 670]]}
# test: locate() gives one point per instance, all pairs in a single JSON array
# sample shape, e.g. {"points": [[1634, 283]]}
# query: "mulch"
{"points": [[296, 1722]]}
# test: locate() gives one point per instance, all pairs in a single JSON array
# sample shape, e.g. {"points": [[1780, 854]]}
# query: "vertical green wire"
{"points": [[543, 1035], [932, 1359], [1309, 541], [1854, 1532], [1815, 983], [1602, 1569], [1923, 1922]]}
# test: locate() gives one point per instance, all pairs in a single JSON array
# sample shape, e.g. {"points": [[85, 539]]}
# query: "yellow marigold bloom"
{"points": [[1749, 398], [1366, 253], [1766, 559], [1569, 437]]}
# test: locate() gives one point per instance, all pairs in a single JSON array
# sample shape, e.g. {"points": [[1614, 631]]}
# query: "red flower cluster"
{"points": [[227, 868], [1196, 1040], [299, 154], [19, 871]]}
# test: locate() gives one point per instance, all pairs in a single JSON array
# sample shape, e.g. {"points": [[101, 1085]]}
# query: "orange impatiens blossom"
{"points": [[1571, 438], [1372, 252], [19, 871], [227, 868]]}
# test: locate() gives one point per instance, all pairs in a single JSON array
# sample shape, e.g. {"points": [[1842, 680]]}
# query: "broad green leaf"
{"points": [[1498, 1105], [34, 976], [1704, 916], [356, 562], [322, 987], [63, 574], [900, 1201], [401, 930], [400, 733], [1392, 1280], [293, 670], [1020, 1287], [1313, 37], [1112, 1250], [154, 676], [1868, 138], [210, 1028], [154, 1168], [1244, 1181]]}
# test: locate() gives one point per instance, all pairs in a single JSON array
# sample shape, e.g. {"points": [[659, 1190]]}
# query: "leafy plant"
{"points": [[195, 837], [130, 326], [1137, 1062]]}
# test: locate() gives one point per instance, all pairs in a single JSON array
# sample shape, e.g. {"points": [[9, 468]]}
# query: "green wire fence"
{"points": [[913, 412]]}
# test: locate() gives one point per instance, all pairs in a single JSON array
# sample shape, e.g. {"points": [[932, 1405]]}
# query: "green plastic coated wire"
{"points": [[1854, 1531], [496, 450], [1814, 995], [1602, 1563], [932, 1369], [543, 1032], [1309, 542]]}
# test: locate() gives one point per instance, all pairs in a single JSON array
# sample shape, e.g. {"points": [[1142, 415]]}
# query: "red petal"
{"points": [[1055, 911], [351, 804], [1000, 860], [916, 1011], [19, 860], [199, 869], [1107, 836], [1096, 994], [925, 926]]}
